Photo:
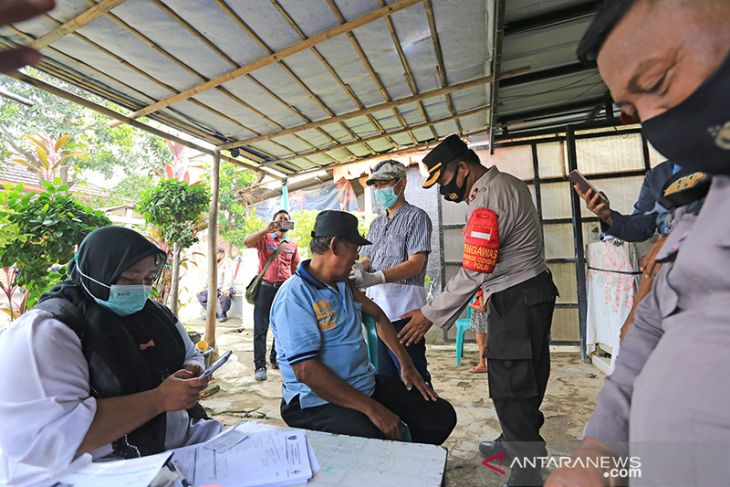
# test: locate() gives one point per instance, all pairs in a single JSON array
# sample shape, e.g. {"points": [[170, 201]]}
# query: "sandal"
{"points": [[478, 370]]}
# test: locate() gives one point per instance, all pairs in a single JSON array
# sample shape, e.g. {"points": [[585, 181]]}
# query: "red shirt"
{"points": [[285, 263]]}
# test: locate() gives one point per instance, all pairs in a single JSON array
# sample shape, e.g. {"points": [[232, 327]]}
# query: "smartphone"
{"points": [[286, 226], [217, 364], [577, 178]]}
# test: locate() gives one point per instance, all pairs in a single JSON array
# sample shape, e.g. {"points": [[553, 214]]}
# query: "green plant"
{"points": [[48, 158], [235, 221], [302, 233], [175, 208], [48, 226]]}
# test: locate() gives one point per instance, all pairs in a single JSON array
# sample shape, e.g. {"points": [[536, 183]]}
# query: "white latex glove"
{"points": [[364, 279], [357, 266]]}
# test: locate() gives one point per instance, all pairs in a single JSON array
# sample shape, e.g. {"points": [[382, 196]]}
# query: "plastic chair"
{"points": [[462, 325], [371, 338]]}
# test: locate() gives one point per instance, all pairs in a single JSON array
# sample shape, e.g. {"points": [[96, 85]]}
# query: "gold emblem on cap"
{"points": [[435, 167], [721, 135]]}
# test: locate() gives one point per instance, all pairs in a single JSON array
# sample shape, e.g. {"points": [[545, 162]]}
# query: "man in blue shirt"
{"points": [[328, 382], [642, 223]]}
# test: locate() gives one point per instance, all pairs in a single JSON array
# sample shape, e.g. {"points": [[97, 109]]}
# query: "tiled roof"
{"points": [[11, 173]]}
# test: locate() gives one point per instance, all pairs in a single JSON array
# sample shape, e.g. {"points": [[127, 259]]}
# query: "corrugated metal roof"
{"points": [[298, 86], [143, 52]]}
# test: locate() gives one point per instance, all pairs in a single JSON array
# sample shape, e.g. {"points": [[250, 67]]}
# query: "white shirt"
{"points": [[396, 299], [45, 404], [225, 276]]}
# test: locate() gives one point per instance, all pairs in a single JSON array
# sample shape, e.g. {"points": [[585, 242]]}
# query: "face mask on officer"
{"points": [[387, 197], [696, 132], [451, 191]]}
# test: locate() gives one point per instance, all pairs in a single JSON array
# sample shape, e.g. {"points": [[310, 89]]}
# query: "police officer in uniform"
{"points": [[504, 255], [665, 402]]}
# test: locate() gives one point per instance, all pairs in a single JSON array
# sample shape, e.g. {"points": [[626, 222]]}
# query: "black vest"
{"points": [[119, 366]]}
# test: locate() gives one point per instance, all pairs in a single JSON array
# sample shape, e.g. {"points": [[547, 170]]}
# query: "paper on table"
{"points": [[226, 440], [266, 458], [116, 473]]}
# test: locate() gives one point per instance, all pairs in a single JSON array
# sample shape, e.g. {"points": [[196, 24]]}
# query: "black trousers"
{"points": [[519, 324], [429, 422], [388, 363], [224, 302], [262, 308]]}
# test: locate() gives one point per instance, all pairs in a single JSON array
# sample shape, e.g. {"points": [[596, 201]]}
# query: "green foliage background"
{"points": [[175, 207], [42, 229]]}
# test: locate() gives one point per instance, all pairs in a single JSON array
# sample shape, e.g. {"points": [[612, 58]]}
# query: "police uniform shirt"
{"points": [[520, 250], [407, 233], [669, 384]]}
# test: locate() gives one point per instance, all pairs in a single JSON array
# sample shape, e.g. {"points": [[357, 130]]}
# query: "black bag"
{"points": [[253, 287]]}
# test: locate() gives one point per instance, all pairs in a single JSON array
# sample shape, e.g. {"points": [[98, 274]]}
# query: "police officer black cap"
{"points": [[332, 223], [452, 148]]}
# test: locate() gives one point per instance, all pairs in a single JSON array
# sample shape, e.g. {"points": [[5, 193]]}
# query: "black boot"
{"points": [[491, 448]]}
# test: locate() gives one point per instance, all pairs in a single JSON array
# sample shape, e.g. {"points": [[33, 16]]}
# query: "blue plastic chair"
{"points": [[462, 325], [371, 338]]}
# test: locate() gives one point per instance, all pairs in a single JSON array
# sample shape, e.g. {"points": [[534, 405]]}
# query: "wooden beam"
{"points": [[440, 65], [390, 153], [407, 69], [365, 111], [77, 22], [212, 250], [278, 56], [212, 46], [369, 68], [42, 85], [265, 47], [324, 62], [430, 123]]}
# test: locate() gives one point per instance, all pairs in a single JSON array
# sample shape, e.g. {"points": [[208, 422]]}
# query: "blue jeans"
{"points": [[388, 363]]}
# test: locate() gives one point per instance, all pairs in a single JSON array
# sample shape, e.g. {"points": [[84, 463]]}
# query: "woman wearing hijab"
{"points": [[98, 368]]}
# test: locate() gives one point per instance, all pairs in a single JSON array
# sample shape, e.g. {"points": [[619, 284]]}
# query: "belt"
{"points": [[275, 285]]}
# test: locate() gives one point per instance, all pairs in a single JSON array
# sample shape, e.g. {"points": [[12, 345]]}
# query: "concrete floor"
{"points": [[570, 399]]}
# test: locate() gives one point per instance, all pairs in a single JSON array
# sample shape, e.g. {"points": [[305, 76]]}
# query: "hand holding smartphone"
{"points": [[578, 179], [286, 226], [216, 365]]}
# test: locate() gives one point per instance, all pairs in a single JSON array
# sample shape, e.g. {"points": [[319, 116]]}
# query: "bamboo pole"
{"points": [[77, 22], [441, 67], [391, 153], [431, 123], [369, 68], [277, 56], [358, 113], [331, 70], [191, 129], [214, 47], [282, 65], [212, 250], [197, 34], [410, 79], [42, 85]]}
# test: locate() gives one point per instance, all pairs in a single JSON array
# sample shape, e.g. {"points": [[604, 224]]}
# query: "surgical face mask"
{"points": [[696, 133], [124, 300], [452, 191], [386, 196]]}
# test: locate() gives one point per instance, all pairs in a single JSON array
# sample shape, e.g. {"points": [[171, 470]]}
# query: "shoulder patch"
{"points": [[481, 241]]}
